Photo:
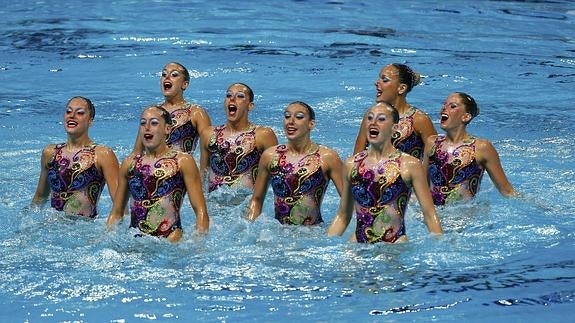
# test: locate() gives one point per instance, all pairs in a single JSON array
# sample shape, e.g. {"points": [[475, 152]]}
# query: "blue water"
{"points": [[506, 260]]}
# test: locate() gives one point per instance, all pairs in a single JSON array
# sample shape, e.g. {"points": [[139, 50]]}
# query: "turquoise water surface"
{"points": [[500, 260]]}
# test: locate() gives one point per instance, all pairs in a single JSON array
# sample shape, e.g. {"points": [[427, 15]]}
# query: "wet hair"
{"points": [[407, 76], [88, 102], [307, 106], [470, 104], [394, 112], [184, 70], [163, 112], [249, 90]]}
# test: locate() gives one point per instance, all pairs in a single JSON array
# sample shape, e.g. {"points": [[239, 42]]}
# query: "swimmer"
{"points": [[394, 83], [189, 119], [457, 160], [157, 181], [300, 171], [378, 183], [74, 173], [231, 152]]}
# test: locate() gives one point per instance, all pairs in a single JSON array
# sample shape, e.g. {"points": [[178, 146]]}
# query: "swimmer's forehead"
{"points": [[238, 88], [152, 112], [173, 66], [454, 97], [78, 103], [381, 107], [389, 70], [296, 107]]}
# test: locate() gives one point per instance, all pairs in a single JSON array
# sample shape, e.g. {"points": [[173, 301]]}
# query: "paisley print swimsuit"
{"points": [[298, 186], [405, 138], [381, 197], [75, 182], [456, 175], [157, 192], [183, 136], [232, 159]]}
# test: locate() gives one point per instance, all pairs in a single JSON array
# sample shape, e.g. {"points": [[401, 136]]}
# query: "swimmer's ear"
{"points": [[466, 118], [311, 124], [402, 88], [185, 85], [251, 106]]}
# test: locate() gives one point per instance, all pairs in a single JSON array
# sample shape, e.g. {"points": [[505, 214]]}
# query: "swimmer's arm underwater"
{"points": [[254, 208], [120, 200], [43, 189]]}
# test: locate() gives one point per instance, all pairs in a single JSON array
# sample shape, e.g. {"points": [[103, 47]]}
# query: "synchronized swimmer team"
{"points": [[397, 152]]}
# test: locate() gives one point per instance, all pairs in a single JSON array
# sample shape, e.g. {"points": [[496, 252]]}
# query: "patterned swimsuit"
{"points": [[298, 188], [232, 159], [184, 136], [381, 197], [157, 192], [453, 176], [75, 181], [405, 138]]}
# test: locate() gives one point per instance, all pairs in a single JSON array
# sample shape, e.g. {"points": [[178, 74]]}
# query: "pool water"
{"points": [[500, 260]]}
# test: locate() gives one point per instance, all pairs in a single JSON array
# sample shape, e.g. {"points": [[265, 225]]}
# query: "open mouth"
{"points": [[167, 85], [71, 123], [232, 109], [148, 136], [373, 133], [444, 117], [290, 130]]}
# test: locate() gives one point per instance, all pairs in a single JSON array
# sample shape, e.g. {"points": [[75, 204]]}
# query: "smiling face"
{"points": [[387, 85], [173, 81], [77, 117], [379, 123], [237, 103], [154, 127], [453, 113], [298, 121]]}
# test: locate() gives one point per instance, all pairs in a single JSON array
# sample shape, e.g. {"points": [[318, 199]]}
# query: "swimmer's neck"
{"points": [[383, 150], [238, 126], [78, 142], [401, 105], [456, 135], [303, 146], [156, 152], [176, 101]]}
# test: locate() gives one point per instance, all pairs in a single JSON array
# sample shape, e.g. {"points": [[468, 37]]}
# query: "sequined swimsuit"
{"points": [[453, 176], [381, 197], [157, 191], [405, 138], [232, 159], [75, 181], [183, 136], [298, 187]]}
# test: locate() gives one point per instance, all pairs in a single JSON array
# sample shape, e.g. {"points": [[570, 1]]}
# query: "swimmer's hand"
{"points": [[516, 194], [253, 211], [112, 220]]}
